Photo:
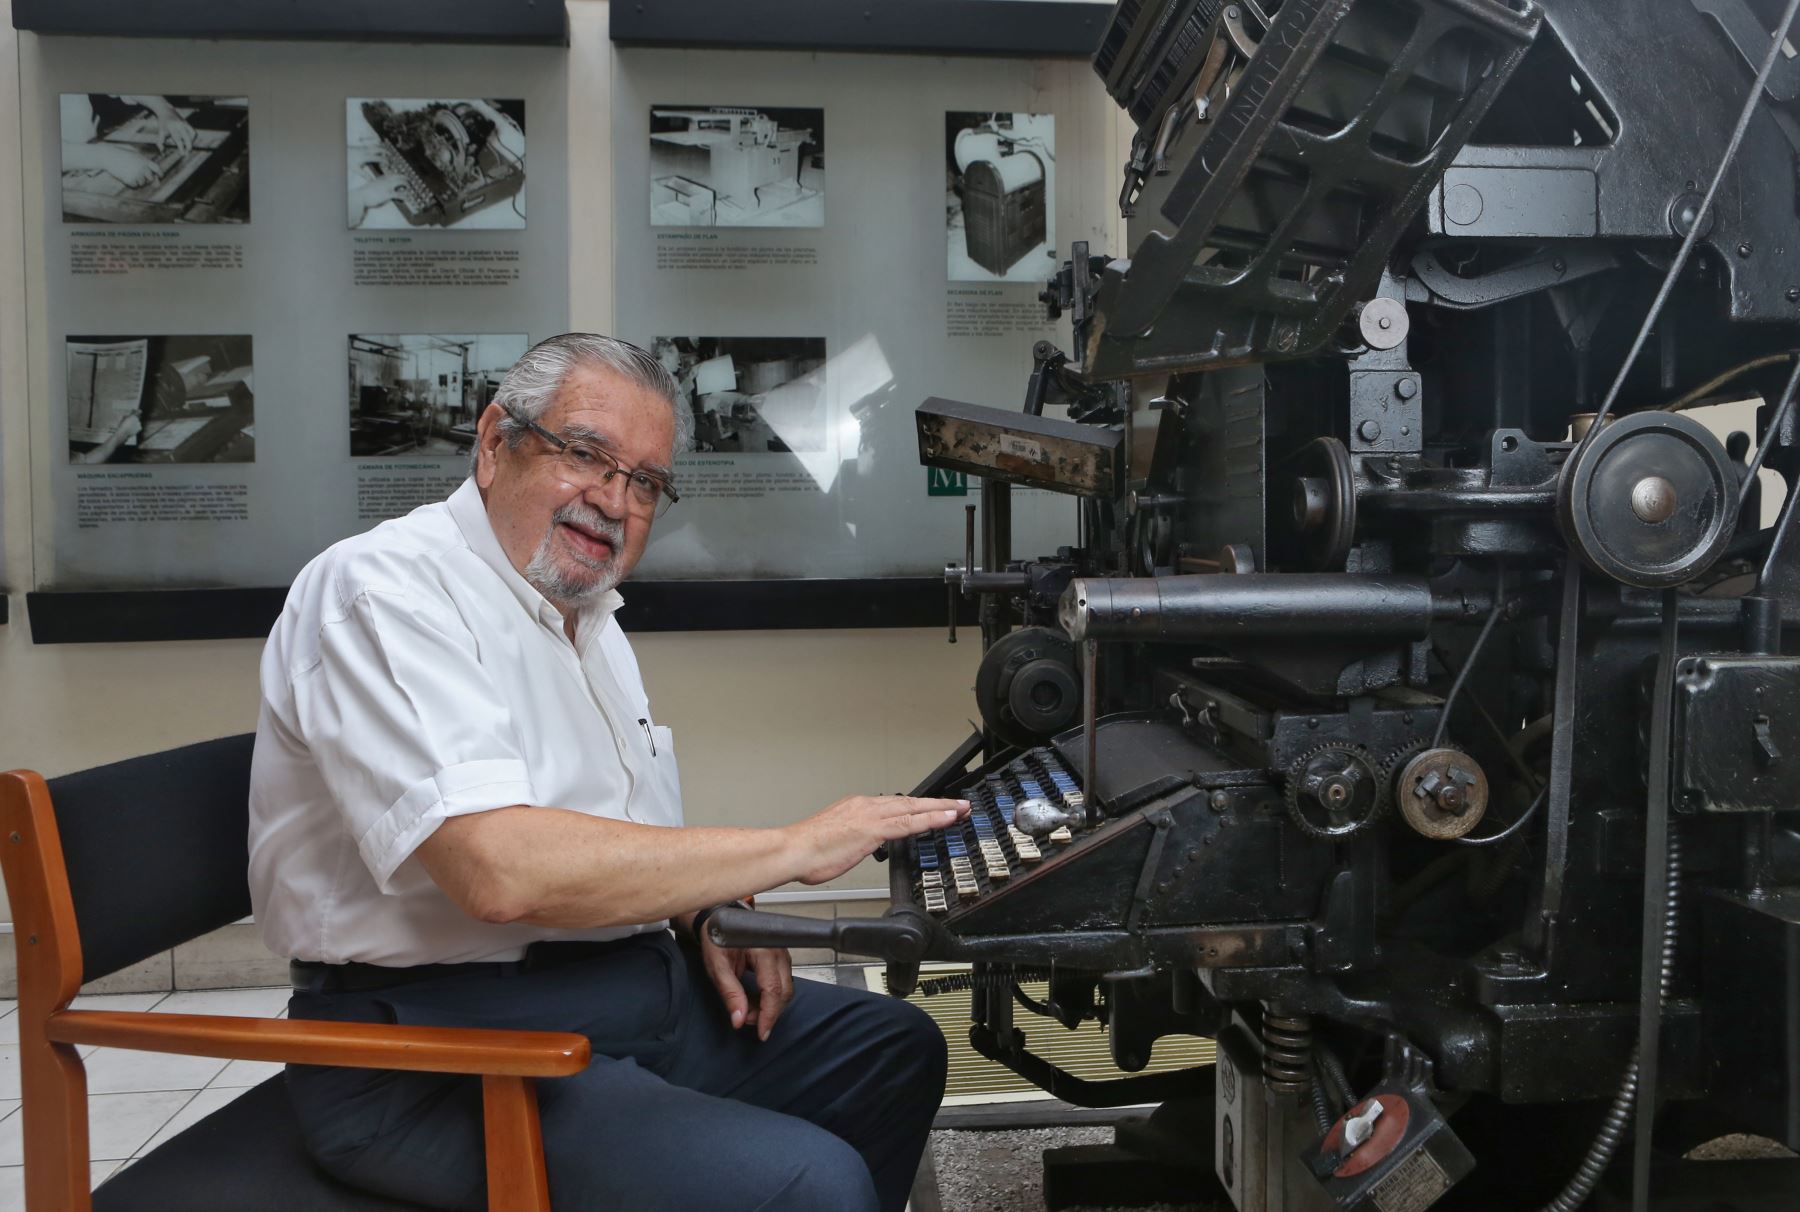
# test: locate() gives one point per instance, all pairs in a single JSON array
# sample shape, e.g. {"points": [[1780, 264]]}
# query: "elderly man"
{"points": [[463, 814]]}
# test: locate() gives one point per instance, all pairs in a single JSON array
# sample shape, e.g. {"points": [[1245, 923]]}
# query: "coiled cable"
{"points": [[1325, 1061], [1619, 1115], [1321, 1109]]}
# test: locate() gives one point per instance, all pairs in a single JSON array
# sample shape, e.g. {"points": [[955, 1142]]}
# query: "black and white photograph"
{"points": [[436, 162], [751, 395], [1000, 196], [736, 166], [422, 393], [170, 399], [154, 158]]}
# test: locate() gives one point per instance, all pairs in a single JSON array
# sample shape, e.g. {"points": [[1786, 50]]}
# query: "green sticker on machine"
{"points": [[942, 483]]}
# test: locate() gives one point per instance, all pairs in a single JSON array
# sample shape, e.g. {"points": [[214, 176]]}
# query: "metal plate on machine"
{"points": [[1737, 733], [1511, 199], [1002, 444]]}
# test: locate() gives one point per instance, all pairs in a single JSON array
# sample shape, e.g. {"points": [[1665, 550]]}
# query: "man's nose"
{"points": [[609, 496]]}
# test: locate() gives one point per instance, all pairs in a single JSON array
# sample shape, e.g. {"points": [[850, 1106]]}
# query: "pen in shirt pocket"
{"points": [[648, 734]]}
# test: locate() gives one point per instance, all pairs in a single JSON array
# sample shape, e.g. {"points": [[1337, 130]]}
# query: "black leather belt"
{"points": [[310, 976]]}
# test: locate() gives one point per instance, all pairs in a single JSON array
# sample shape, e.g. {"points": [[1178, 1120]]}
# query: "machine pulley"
{"points": [[1648, 501]]}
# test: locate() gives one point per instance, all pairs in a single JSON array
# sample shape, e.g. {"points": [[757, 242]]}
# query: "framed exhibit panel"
{"points": [[815, 243], [273, 282], [278, 282]]}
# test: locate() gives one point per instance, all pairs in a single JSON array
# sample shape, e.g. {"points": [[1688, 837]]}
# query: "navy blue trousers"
{"points": [[677, 1111]]}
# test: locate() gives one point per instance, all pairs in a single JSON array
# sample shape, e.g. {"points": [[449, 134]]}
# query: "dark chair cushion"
{"points": [[247, 1156], [156, 849]]}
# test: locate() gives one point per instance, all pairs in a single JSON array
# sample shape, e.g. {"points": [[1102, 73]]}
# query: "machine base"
{"points": [[1153, 1160]]}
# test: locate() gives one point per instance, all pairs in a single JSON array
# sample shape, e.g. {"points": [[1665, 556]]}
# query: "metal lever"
{"points": [[899, 937], [966, 579]]}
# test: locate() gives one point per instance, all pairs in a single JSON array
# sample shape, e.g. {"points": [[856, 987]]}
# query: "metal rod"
{"points": [[1699, 224], [1301, 606], [1780, 568], [1656, 895], [996, 553], [1090, 708], [1562, 757]]}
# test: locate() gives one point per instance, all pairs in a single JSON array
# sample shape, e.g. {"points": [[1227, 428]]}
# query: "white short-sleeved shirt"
{"points": [[413, 676]]}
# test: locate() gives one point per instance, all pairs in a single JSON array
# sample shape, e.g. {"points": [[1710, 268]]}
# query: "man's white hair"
{"points": [[531, 385]]}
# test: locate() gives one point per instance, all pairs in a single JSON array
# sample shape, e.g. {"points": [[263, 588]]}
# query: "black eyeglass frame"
{"points": [[561, 444]]}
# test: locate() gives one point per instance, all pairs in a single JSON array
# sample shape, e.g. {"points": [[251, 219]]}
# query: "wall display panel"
{"points": [[147, 400], [278, 283], [998, 224], [419, 394], [805, 334], [435, 163], [736, 166], [152, 158]]}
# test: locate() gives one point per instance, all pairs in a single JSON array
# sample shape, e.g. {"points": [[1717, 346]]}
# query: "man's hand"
{"points": [[131, 168], [172, 130], [835, 840], [774, 972], [378, 190]]}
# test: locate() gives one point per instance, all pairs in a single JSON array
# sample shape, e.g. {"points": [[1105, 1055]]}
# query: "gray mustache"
{"points": [[590, 519]]}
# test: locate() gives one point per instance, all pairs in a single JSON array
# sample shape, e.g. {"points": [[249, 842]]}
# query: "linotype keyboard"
{"points": [[961, 864]]}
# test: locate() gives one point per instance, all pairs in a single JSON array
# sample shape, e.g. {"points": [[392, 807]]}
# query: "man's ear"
{"points": [[487, 445]]}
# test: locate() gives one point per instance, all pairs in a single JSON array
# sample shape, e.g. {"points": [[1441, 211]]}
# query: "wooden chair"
{"points": [[107, 867]]}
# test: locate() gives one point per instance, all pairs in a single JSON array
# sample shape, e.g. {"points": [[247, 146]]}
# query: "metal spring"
{"points": [[1287, 1052], [998, 977], [1619, 1116]]}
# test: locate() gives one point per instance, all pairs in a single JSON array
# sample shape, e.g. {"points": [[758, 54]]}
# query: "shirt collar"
{"points": [[469, 512]]}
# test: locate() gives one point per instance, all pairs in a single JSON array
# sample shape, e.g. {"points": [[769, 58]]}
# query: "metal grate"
{"points": [[1084, 1052]]}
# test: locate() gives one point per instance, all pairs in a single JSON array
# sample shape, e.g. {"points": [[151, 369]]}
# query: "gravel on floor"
{"points": [[1004, 1171], [1737, 1148]]}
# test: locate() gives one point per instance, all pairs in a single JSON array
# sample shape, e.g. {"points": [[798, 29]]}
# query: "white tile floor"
{"points": [[137, 1100]]}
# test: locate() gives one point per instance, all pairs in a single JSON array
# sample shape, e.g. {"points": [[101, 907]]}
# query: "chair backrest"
{"points": [[153, 849]]}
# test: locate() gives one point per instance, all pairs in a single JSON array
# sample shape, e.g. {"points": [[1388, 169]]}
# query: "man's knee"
{"points": [[914, 1042], [827, 1176]]}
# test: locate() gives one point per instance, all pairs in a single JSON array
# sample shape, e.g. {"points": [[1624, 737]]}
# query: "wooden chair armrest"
{"points": [[499, 1053]]}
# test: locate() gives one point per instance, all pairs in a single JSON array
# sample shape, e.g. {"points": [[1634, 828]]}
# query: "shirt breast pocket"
{"points": [[661, 799]]}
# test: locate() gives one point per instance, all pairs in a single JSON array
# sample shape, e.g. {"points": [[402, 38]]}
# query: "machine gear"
{"points": [[1334, 791]]}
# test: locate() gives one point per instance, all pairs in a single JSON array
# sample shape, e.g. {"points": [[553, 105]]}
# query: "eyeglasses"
{"points": [[588, 466]]}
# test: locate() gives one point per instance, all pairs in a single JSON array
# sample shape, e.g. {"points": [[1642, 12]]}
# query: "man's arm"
{"points": [[554, 867], [406, 725]]}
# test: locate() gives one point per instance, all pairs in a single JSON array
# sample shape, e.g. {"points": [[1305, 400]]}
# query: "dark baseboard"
{"points": [[1030, 29], [120, 616], [494, 22]]}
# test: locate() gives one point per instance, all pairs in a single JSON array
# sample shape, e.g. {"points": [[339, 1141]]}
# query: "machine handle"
{"points": [[900, 936]]}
